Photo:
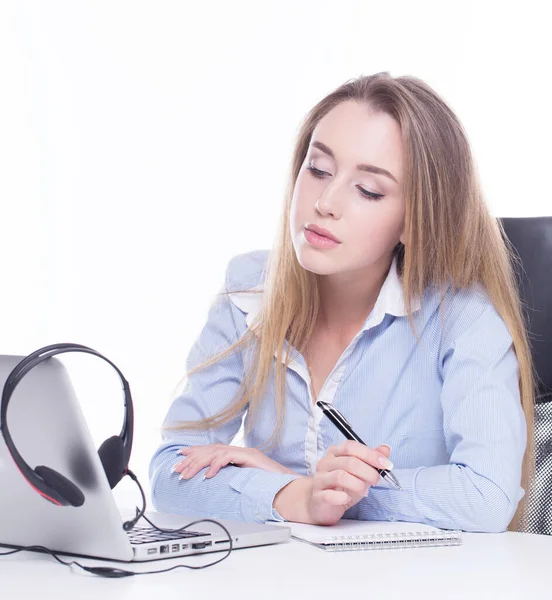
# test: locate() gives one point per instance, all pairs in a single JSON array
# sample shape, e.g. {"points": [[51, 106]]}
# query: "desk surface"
{"points": [[505, 565]]}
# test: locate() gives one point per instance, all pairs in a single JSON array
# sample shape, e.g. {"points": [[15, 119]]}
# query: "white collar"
{"points": [[390, 299]]}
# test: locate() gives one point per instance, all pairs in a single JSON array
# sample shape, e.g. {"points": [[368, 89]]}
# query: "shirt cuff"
{"points": [[257, 493]]}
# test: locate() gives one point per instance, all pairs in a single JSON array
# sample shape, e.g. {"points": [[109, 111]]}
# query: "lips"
{"points": [[323, 232]]}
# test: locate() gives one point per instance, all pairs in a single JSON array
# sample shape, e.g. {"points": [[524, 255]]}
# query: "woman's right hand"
{"points": [[343, 477]]}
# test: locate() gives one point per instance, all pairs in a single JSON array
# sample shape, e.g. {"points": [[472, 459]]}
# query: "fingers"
{"points": [[197, 458], [348, 484], [189, 467], [355, 466], [214, 456], [335, 497], [375, 458], [384, 449], [216, 465]]}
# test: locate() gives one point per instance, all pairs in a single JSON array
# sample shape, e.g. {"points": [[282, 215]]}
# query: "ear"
{"points": [[402, 237]]}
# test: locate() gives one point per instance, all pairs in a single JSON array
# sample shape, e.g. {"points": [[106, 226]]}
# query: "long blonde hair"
{"points": [[450, 237]]}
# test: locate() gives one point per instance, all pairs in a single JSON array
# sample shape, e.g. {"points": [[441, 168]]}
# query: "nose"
{"points": [[328, 203]]}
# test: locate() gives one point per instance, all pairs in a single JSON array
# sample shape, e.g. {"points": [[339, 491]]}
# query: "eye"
{"points": [[317, 174]]}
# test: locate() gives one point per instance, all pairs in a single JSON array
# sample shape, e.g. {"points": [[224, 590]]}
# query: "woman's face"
{"points": [[363, 209]]}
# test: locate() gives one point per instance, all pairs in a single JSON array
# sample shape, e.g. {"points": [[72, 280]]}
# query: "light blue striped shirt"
{"points": [[449, 408]]}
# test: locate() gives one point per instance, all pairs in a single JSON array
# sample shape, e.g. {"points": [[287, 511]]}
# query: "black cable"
{"points": [[127, 526]]}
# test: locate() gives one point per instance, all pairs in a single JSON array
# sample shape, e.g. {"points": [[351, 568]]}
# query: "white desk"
{"points": [[501, 566]]}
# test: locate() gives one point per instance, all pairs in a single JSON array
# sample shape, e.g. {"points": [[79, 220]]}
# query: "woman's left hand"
{"points": [[220, 455]]}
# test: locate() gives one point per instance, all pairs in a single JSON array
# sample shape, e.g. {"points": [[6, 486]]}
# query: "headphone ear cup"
{"points": [[111, 455], [65, 489]]}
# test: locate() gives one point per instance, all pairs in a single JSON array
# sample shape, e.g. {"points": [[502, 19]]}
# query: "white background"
{"points": [[143, 144]]}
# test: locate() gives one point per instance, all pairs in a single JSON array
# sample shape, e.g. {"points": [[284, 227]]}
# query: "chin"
{"points": [[316, 261]]}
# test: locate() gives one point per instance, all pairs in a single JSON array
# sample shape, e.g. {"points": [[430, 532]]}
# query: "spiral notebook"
{"points": [[350, 534]]}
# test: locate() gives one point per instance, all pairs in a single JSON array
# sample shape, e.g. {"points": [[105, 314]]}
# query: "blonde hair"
{"points": [[450, 237]]}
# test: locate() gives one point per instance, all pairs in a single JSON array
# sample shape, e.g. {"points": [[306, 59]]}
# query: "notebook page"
{"points": [[345, 527]]}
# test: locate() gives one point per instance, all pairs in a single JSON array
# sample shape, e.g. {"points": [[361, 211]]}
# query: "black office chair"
{"points": [[531, 238]]}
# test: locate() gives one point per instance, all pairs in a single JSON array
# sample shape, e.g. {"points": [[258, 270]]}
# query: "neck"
{"points": [[347, 298]]}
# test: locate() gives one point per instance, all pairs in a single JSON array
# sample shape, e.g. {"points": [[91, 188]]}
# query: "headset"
{"points": [[114, 455], [114, 452]]}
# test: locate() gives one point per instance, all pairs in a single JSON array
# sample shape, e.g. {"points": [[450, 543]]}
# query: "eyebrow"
{"points": [[369, 168]]}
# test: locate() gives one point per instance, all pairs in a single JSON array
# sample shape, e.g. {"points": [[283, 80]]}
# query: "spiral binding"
{"points": [[382, 541]]}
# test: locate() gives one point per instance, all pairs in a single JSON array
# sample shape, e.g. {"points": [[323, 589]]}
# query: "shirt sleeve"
{"points": [[485, 432], [239, 493]]}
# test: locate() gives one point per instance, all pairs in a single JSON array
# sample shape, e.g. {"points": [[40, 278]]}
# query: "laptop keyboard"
{"points": [[146, 535]]}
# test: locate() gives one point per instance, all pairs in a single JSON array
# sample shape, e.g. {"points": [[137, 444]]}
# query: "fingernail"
{"points": [[387, 446], [179, 463], [385, 462], [204, 477]]}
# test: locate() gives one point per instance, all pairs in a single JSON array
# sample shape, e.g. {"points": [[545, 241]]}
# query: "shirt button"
{"points": [[391, 518]]}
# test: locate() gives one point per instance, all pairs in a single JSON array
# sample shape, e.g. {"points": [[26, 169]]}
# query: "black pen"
{"points": [[343, 425]]}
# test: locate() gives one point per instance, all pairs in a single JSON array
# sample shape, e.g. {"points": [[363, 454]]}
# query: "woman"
{"points": [[390, 293]]}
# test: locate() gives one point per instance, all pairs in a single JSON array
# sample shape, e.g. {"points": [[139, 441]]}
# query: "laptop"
{"points": [[48, 428]]}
